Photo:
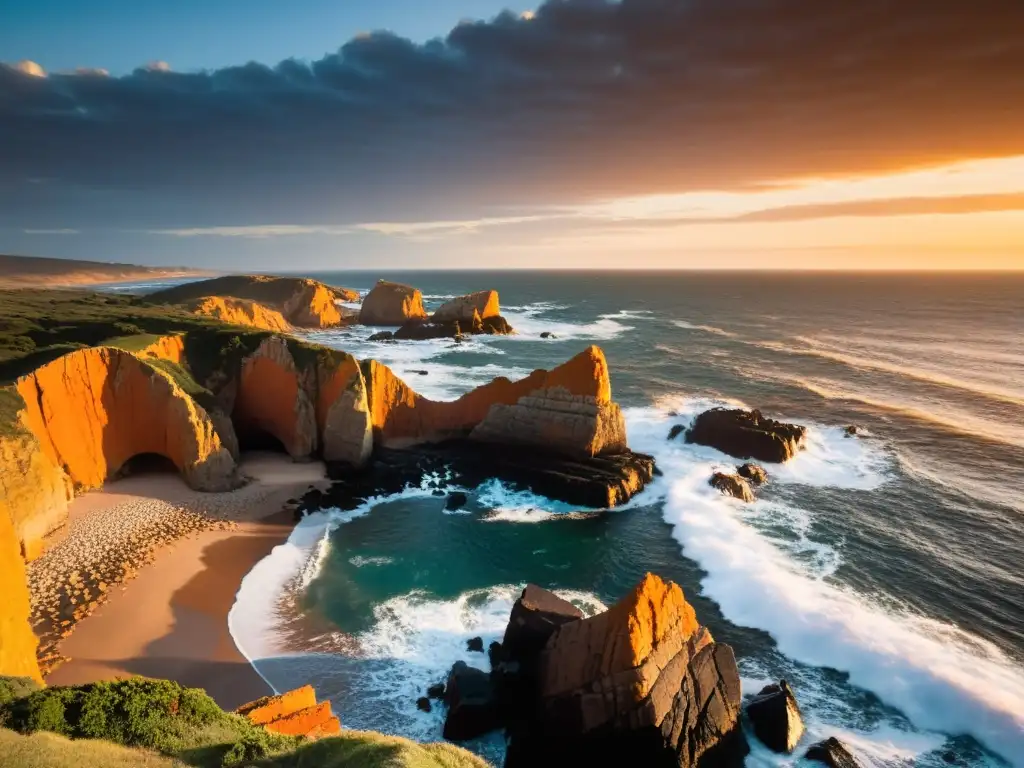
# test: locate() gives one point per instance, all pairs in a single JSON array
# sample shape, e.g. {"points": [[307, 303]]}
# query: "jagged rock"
{"points": [[472, 707], [423, 704], [436, 691], [535, 617], [481, 304], [475, 645], [747, 434], [732, 485], [382, 336], [833, 753], [640, 684], [850, 431], [495, 653], [420, 330], [495, 326], [754, 473], [675, 431], [456, 500], [775, 716], [548, 335], [392, 304]]}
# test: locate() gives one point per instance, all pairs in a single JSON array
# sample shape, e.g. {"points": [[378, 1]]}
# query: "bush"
{"points": [[252, 746], [12, 689]]}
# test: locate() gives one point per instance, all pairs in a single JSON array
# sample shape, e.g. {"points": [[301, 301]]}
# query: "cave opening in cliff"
{"points": [[146, 464], [255, 439]]}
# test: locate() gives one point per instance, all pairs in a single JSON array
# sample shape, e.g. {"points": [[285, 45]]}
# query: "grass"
{"points": [[160, 724]]}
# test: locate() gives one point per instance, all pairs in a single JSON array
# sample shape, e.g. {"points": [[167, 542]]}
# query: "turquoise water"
{"points": [[880, 575]]}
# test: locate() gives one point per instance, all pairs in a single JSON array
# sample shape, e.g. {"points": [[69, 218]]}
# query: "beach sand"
{"points": [[170, 619]]}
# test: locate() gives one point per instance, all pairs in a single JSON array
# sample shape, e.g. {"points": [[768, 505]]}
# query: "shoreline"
{"points": [[87, 278], [169, 618]]}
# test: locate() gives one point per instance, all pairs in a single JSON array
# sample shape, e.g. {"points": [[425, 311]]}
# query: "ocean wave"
{"points": [[531, 320], [509, 505], [939, 676], [686, 325]]}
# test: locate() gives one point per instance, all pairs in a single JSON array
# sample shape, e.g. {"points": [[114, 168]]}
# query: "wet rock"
{"points": [[423, 704], [833, 753], [420, 372], [472, 707], [548, 335], [456, 500], [850, 431], [775, 716], [747, 434], [495, 326], [436, 691], [419, 330], [383, 336], [475, 645], [732, 485], [675, 431], [755, 473], [495, 653], [534, 618]]}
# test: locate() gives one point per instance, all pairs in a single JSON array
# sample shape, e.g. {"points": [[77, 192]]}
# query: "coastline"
{"points": [[87, 277], [170, 620]]}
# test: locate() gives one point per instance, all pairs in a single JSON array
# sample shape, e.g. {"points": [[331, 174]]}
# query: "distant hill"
{"points": [[32, 271]]}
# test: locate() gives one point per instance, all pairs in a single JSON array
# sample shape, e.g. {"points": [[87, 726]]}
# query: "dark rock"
{"points": [[456, 500], [548, 335], [732, 485], [475, 645], [420, 373], [754, 473], [495, 325], [833, 753], [436, 691], [423, 704], [675, 431], [437, 492], [534, 618], [640, 684], [472, 707], [747, 434], [383, 336], [850, 431], [776, 717], [420, 330], [495, 654]]}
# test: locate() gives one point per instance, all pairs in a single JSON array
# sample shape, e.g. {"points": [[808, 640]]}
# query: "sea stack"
{"points": [[392, 304]]}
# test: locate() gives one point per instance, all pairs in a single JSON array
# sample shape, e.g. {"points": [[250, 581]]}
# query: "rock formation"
{"points": [[482, 305], [640, 684], [472, 705], [775, 716], [755, 473], [241, 312], [732, 485], [747, 434], [302, 302], [295, 713], [833, 753], [17, 643], [392, 304]]}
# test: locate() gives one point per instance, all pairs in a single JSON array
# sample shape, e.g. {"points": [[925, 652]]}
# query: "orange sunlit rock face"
{"points": [[402, 417], [17, 643], [166, 348], [94, 409], [294, 713], [249, 313], [270, 708], [342, 414], [392, 304], [481, 304], [313, 305], [36, 491]]}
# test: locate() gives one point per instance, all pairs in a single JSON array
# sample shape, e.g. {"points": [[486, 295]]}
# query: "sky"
{"points": [[348, 134]]}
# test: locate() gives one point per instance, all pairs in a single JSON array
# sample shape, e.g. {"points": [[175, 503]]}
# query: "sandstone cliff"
{"points": [[481, 304], [240, 312], [392, 304], [17, 643]]}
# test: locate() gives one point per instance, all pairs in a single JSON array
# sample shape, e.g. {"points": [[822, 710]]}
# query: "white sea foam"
{"points": [[940, 677], [515, 506], [359, 561], [687, 325], [532, 320]]}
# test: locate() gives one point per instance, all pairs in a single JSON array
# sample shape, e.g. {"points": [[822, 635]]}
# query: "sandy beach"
{"points": [[183, 555]]}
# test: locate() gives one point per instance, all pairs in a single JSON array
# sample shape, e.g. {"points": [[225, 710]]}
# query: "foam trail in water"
{"points": [[940, 677]]}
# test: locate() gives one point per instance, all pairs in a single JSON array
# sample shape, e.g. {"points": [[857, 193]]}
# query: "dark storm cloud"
{"points": [[588, 99]]}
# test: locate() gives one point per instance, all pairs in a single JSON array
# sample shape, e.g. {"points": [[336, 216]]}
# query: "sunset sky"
{"points": [[352, 134]]}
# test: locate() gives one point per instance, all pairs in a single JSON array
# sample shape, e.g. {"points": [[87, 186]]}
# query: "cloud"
{"points": [[583, 100]]}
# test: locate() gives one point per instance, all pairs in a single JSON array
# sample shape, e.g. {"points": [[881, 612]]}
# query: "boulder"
{"points": [[475, 645], [747, 434], [775, 716], [640, 684], [675, 431], [382, 336], [732, 485], [495, 326], [755, 473], [833, 753], [481, 304], [456, 500], [420, 330], [436, 691], [548, 335], [850, 431], [392, 304], [423, 704], [472, 707]]}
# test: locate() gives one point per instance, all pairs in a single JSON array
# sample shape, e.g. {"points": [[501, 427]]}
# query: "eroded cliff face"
{"points": [[248, 313], [481, 304], [343, 414], [93, 409], [34, 491], [17, 643], [570, 404], [313, 305]]}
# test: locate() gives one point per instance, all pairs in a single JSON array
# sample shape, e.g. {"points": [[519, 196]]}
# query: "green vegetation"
{"points": [[160, 724]]}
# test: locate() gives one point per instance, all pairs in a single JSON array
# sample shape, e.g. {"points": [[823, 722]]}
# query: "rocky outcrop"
{"points": [[747, 434], [732, 485], [17, 643], [34, 490], [464, 309], [392, 304], [240, 312], [535, 617], [343, 414], [640, 684], [472, 705], [755, 473], [295, 713], [775, 716], [302, 302], [833, 753]]}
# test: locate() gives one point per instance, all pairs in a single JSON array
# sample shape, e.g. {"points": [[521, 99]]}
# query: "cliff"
{"points": [[481, 304], [392, 304], [240, 312], [17, 643], [302, 302]]}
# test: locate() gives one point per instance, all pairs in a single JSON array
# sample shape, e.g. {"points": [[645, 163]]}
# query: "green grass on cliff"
{"points": [[159, 724]]}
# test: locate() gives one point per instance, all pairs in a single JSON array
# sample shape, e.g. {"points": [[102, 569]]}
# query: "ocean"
{"points": [[882, 575]]}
